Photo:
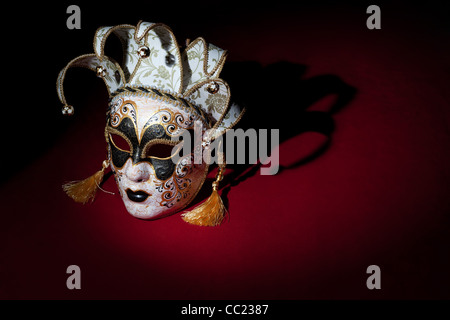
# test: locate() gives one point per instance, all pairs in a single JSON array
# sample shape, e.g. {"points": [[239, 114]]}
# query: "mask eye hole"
{"points": [[161, 151], [119, 142]]}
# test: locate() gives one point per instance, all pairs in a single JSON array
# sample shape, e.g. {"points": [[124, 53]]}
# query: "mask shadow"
{"points": [[278, 96]]}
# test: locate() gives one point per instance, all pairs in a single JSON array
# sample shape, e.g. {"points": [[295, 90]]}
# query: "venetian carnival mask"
{"points": [[157, 95]]}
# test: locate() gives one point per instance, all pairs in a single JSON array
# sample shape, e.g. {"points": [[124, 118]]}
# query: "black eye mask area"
{"points": [[155, 147]]}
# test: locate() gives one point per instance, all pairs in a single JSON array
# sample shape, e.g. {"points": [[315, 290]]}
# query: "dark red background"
{"points": [[364, 119]]}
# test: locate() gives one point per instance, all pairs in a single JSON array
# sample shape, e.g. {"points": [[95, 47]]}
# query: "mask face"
{"points": [[142, 132]]}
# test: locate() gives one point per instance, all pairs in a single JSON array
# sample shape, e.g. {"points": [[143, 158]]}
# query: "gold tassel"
{"points": [[212, 211], [84, 191]]}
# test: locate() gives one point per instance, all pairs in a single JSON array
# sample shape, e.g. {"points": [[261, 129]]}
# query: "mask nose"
{"points": [[138, 172]]}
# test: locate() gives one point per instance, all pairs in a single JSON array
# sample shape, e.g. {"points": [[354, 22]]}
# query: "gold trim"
{"points": [[105, 37], [206, 82], [220, 63], [165, 142], [111, 130], [176, 48], [78, 62], [165, 125], [124, 81], [62, 75], [165, 98], [225, 130], [119, 133]]}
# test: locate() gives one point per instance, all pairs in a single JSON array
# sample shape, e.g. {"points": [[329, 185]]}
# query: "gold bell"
{"points": [[67, 110], [213, 87], [143, 52], [100, 71]]}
